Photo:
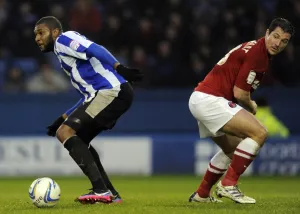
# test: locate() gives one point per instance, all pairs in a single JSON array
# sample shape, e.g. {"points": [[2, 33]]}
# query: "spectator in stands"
{"points": [[47, 80], [14, 80], [24, 19], [191, 27], [141, 60], [113, 31], [145, 34], [86, 18], [58, 11], [3, 13], [165, 65]]}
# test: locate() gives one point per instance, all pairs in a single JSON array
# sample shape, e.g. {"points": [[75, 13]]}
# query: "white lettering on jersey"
{"points": [[248, 46], [224, 59], [251, 77]]}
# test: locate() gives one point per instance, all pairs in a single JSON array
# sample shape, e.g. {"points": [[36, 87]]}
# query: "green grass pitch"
{"points": [[157, 194]]}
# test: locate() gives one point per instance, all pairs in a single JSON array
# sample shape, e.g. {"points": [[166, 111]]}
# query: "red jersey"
{"points": [[244, 66]]}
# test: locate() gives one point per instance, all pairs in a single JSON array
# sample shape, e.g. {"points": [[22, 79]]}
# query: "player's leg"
{"points": [[106, 119], [103, 173], [222, 116], [227, 143], [254, 134], [79, 151], [217, 166], [87, 137], [212, 113], [105, 109]]}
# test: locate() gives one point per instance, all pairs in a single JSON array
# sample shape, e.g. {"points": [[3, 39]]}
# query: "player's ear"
{"points": [[55, 32], [267, 32]]}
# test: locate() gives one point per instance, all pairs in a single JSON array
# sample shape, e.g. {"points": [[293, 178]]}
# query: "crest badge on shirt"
{"points": [[232, 104], [74, 45]]}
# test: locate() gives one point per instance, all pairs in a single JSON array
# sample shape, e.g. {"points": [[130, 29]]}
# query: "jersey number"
{"points": [[246, 48], [224, 59]]}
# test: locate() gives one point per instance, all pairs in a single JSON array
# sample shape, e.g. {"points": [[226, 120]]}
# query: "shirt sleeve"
{"points": [[101, 53], [77, 46], [72, 45], [247, 73]]}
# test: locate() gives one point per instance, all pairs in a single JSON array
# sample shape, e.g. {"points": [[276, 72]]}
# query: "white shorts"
{"points": [[211, 112]]}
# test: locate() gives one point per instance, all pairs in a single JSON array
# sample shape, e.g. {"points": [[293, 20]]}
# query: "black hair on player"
{"points": [[284, 24], [51, 22]]}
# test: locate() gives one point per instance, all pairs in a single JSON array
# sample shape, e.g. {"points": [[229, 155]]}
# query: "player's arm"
{"points": [[69, 111], [244, 99], [76, 46], [52, 129], [244, 81], [104, 56]]}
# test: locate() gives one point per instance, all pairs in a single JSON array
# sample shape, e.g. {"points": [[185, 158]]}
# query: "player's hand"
{"points": [[130, 74], [254, 107], [51, 129]]}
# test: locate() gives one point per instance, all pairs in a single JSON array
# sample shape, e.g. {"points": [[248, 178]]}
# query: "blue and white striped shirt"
{"points": [[89, 65]]}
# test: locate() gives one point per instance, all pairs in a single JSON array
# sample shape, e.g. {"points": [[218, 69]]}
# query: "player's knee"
{"points": [[263, 134], [64, 132], [260, 135]]}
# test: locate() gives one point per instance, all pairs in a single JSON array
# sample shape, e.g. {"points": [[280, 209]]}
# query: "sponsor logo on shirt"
{"points": [[255, 84], [74, 45], [251, 77]]}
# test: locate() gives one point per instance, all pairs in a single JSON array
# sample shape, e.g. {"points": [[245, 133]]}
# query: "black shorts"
{"points": [[101, 113]]}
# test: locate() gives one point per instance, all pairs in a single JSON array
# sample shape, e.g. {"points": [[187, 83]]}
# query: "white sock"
{"points": [[247, 148], [219, 163]]}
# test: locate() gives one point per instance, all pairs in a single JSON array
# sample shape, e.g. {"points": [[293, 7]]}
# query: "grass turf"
{"points": [[157, 194]]}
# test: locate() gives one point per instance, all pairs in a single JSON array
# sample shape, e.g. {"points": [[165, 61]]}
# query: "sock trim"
{"points": [[244, 154], [215, 170]]}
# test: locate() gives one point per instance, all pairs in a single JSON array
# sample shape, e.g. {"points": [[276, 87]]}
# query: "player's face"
{"points": [[44, 38], [276, 40]]}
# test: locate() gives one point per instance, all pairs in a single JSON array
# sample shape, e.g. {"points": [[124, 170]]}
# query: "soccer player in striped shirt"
{"points": [[217, 104], [105, 95]]}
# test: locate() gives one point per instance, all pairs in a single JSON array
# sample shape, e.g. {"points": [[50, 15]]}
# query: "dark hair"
{"points": [[51, 21], [284, 24]]}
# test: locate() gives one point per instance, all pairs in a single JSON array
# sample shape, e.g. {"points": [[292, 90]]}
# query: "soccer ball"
{"points": [[44, 192]]}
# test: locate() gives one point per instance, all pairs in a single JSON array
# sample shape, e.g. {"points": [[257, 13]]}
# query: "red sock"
{"points": [[212, 175], [241, 159]]}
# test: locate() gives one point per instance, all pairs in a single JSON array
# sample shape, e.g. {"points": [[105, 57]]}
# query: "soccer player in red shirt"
{"points": [[224, 110]]}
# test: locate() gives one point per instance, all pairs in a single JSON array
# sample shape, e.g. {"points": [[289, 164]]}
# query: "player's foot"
{"points": [[233, 193], [94, 197], [117, 198], [196, 198]]}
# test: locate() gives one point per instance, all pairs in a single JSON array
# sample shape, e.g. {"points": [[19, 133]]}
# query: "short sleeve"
{"points": [[247, 72], [72, 44]]}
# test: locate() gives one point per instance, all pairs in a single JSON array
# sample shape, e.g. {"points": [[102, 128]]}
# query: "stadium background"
{"points": [[175, 42]]}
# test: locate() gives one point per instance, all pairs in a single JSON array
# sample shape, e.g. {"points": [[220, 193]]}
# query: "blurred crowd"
{"points": [[175, 42]]}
